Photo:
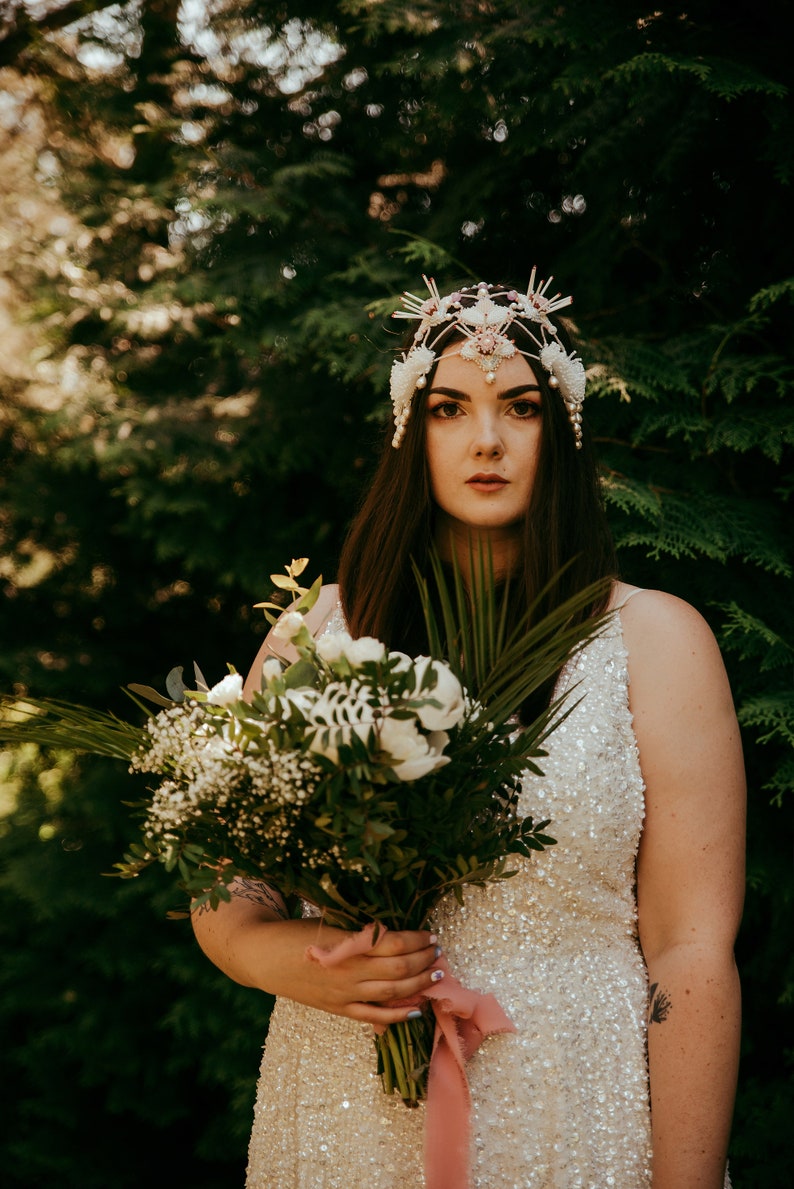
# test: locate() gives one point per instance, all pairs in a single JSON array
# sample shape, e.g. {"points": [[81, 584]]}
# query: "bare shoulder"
{"points": [[673, 656], [654, 619], [324, 608], [316, 619]]}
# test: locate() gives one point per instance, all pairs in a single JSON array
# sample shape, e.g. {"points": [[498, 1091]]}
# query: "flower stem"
{"points": [[404, 1057]]}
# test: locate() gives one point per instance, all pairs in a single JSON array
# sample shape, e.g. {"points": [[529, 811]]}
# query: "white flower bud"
{"points": [[271, 668], [289, 626], [227, 691]]}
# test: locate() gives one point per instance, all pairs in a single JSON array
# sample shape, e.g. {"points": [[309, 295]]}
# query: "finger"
{"points": [[384, 992], [404, 941], [372, 1013], [369, 968]]}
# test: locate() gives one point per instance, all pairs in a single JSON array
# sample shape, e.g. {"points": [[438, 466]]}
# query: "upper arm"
{"points": [[690, 871], [315, 619]]}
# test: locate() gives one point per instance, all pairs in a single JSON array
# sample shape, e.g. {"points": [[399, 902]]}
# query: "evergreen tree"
{"points": [[235, 196]]}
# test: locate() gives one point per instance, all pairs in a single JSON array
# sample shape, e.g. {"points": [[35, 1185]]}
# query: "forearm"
{"points": [[693, 1052], [254, 943], [252, 940]]}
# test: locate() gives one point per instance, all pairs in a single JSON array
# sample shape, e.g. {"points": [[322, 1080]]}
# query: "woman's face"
{"points": [[483, 443]]}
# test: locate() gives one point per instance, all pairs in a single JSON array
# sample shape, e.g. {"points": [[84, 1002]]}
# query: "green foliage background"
{"points": [[227, 198]]}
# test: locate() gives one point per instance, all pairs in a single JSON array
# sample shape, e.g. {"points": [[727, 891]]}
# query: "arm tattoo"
{"points": [[259, 893], [660, 1004], [256, 891]]}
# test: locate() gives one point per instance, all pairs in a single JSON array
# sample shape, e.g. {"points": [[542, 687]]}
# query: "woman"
{"points": [[612, 953]]}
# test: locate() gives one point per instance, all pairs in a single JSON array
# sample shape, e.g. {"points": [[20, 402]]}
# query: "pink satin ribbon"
{"points": [[463, 1020]]}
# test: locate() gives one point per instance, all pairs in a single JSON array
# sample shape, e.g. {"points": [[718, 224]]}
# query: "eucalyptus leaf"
{"points": [[151, 695], [175, 685], [201, 680]]}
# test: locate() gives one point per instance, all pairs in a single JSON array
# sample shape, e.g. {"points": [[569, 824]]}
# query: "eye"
{"points": [[448, 410], [525, 409]]}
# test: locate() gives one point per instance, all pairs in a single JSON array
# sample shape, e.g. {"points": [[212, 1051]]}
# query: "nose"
{"points": [[487, 440]]}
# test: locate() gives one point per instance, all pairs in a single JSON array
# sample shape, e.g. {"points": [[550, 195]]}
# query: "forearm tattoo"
{"points": [[660, 1004], [259, 893]]}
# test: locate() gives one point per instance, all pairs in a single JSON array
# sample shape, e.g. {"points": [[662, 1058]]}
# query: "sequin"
{"points": [[562, 1103]]}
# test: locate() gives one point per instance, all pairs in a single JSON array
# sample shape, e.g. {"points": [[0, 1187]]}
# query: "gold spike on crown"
{"points": [[485, 325]]}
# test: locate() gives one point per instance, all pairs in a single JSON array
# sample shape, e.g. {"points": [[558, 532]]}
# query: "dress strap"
{"points": [[630, 595]]}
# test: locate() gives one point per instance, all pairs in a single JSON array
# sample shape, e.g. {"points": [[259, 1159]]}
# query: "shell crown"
{"points": [[484, 324]]}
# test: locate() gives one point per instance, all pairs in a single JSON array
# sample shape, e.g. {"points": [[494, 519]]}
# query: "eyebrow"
{"points": [[508, 393]]}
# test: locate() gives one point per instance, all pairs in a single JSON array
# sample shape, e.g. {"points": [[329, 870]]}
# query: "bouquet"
{"points": [[359, 780]]}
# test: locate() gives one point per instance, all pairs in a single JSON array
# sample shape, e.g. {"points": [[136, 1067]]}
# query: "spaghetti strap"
{"points": [[615, 606], [630, 595]]}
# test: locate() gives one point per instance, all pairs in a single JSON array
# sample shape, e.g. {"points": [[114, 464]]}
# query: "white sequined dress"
{"points": [[563, 1102]]}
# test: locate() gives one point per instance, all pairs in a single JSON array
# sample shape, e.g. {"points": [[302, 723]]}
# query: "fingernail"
{"points": [[439, 951], [433, 938], [436, 976], [414, 1015]]}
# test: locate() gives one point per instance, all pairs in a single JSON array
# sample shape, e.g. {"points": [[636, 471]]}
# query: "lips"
{"points": [[486, 482]]}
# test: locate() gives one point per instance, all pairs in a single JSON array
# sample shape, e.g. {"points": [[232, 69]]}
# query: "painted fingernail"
{"points": [[414, 1015], [433, 938], [439, 951], [436, 976]]}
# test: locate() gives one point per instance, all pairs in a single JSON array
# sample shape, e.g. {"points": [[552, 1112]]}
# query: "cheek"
{"points": [[438, 476], [524, 443], [437, 453], [529, 458]]}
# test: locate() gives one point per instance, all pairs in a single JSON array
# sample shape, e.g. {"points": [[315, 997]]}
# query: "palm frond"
{"points": [[502, 670], [49, 722]]}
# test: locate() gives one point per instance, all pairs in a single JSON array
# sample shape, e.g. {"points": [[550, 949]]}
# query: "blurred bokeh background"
{"points": [[207, 210]]}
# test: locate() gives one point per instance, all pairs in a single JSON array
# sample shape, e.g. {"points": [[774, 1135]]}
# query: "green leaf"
{"points": [[151, 695]]}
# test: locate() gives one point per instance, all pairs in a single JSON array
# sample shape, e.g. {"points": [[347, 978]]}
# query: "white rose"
{"points": [[227, 691], [333, 645], [289, 626], [447, 691], [366, 648], [412, 753]]}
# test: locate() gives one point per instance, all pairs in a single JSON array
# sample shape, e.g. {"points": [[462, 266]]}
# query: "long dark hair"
{"points": [[564, 526]]}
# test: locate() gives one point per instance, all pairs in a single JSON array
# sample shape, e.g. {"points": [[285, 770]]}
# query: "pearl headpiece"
{"points": [[485, 324]]}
